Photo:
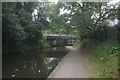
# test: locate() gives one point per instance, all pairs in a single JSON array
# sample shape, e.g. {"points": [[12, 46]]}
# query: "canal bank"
{"points": [[52, 74]]}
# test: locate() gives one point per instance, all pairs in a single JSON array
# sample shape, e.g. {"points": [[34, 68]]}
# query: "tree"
{"points": [[20, 30]]}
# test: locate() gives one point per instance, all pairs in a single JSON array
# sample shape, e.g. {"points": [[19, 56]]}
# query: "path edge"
{"points": [[52, 74]]}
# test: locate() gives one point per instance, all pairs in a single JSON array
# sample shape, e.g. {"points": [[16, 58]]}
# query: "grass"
{"points": [[101, 61], [93, 65]]}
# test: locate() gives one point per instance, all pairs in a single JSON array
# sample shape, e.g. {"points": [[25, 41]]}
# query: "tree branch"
{"points": [[82, 8]]}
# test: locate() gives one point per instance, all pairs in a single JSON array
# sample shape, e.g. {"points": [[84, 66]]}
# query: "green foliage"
{"points": [[101, 58], [107, 52], [23, 29], [20, 31]]}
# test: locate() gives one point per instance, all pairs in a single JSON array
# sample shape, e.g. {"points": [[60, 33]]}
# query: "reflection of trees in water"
{"points": [[33, 64], [56, 52], [24, 66]]}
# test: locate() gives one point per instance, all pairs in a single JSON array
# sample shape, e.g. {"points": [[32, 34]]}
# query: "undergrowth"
{"points": [[102, 58]]}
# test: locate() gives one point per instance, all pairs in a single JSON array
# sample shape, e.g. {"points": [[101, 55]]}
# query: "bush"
{"points": [[107, 52]]}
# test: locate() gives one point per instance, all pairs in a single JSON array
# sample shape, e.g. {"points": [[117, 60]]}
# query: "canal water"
{"points": [[33, 64]]}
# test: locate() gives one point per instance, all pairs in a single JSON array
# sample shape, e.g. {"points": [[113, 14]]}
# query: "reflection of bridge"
{"points": [[60, 40]]}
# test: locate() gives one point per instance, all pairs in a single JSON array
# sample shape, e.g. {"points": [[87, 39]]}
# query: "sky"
{"points": [[113, 1], [114, 22]]}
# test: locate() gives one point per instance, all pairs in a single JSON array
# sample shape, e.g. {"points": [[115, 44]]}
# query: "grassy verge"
{"points": [[102, 60], [93, 65]]}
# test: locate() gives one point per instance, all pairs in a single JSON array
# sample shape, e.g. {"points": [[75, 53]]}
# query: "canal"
{"points": [[33, 64]]}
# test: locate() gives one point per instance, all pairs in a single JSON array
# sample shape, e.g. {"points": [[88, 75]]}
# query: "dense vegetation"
{"points": [[23, 29]]}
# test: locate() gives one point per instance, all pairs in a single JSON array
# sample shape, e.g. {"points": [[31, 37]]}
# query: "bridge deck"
{"points": [[57, 36]]}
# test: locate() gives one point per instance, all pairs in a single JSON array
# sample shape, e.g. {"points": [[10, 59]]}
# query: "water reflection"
{"points": [[35, 64], [51, 63], [24, 66]]}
